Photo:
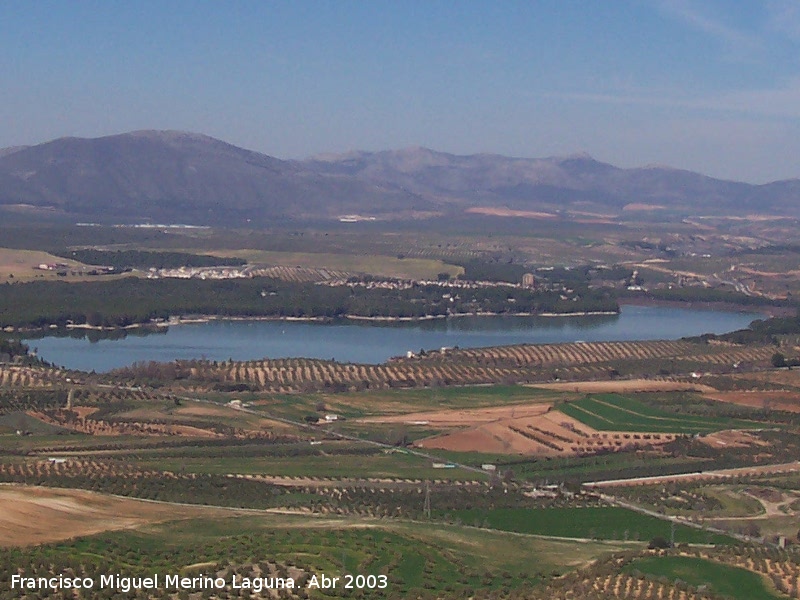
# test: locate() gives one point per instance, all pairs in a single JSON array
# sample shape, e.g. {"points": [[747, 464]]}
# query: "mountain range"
{"points": [[178, 177]]}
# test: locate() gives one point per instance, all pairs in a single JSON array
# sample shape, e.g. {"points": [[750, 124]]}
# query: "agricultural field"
{"points": [[590, 522], [381, 405], [36, 515], [731, 582], [23, 265], [729, 572], [416, 560], [455, 474], [613, 412], [383, 266], [543, 363], [786, 401]]}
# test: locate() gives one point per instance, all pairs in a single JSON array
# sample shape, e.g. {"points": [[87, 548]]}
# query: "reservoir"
{"points": [[373, 342]]}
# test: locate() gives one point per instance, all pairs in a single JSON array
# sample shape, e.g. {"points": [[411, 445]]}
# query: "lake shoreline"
{"points": [[767, 311], [361, 341], [194, 320]]}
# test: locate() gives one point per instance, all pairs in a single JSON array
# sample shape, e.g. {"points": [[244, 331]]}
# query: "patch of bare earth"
{"points": [[462, 417], [188, 412], [35, 515], [780, 400], [642, 206], [508, 212], [732, 439], [74, 420], [550, 433], [783, 377], [204, 410]]}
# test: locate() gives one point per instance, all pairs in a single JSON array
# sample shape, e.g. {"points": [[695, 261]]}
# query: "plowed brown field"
{"points": [[35, 515], [782, 400], [531, 429], [460, 418]]}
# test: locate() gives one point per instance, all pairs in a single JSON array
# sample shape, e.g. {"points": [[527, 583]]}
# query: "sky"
{"points": [[710, 86]]}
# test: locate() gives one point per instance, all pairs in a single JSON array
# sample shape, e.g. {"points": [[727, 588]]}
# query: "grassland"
{"points": [[730, 582], [418, 559], [22, 265], [613, 412], [601, 522], [394, 465], [384, 266], [356, 405]]}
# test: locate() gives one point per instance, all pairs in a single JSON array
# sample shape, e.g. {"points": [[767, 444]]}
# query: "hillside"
{"points": [[575, 183], [180, 177], [167, 176]]}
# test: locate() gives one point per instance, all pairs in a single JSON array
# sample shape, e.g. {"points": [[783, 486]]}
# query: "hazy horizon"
{"points": [[708, 87], [345, 152]]}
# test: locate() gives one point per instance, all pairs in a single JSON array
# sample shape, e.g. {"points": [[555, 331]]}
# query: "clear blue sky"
{"points": [[712, 86]]}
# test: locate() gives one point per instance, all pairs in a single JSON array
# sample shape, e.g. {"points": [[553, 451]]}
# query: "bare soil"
{"points": [[732, 439], [642, 206], [36, 515], [544, 433], [507, 212], [781, 400], [463, 417], [89, 426]]}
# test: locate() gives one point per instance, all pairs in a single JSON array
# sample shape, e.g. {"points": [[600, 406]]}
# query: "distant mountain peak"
{"points": [[659, 166], [11, 150], [171, 135], [181, 176], [583, 155]]}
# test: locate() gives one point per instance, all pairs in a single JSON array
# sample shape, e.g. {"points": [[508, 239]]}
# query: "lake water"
{"points": [[372, 342]]}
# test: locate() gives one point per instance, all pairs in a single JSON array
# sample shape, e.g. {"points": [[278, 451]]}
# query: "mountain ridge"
{"points": [[190, 177]]}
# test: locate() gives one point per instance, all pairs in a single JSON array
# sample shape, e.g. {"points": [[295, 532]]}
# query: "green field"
{"points": [[730, 582], [355, 405], [604, 523], [612, 412], [417, 559], [381, 465]]}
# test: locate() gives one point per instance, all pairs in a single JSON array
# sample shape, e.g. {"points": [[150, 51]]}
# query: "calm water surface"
{"points": [[373, 343]]}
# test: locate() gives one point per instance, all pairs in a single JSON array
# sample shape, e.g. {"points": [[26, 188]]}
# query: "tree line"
{"points": [[132, 300], [141, 259]]}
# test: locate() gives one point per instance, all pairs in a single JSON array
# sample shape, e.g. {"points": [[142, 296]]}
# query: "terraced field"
{"points": [[395, 480], [529, 429], [576, 362], [19, 376]]}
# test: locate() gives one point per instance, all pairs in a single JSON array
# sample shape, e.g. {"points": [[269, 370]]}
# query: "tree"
{"points": [[658, 543], [778, 360]]}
